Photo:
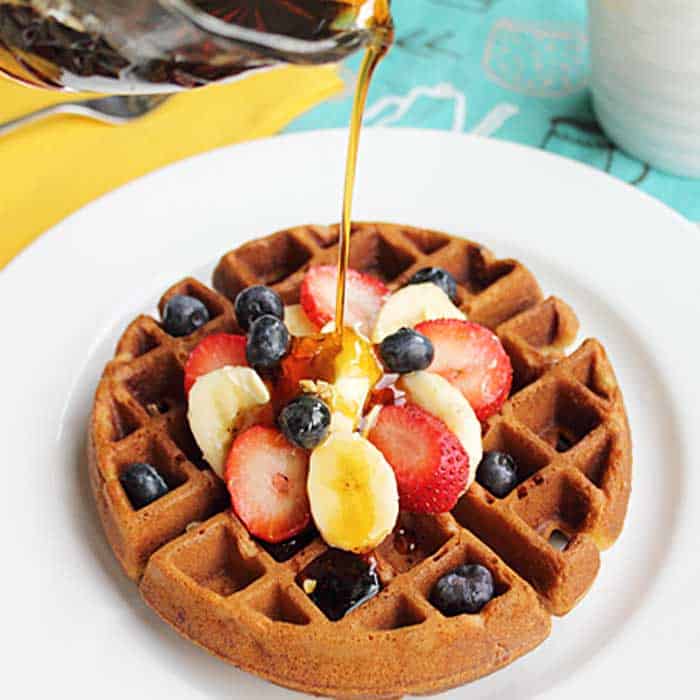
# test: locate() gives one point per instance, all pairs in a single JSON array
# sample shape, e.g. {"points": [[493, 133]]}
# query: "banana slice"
{"points": [[412, 305], [355, 372], [436, 395], [297, 321], [352, 491], [221, 404]]}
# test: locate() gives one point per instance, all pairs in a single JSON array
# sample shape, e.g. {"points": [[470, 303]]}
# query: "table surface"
{"points": [[511, 69]]}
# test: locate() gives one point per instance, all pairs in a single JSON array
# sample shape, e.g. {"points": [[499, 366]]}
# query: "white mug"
{"points": [[645, 79]]}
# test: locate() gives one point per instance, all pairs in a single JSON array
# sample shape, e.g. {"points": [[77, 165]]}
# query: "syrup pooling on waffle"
{"points": [[564, 423]]}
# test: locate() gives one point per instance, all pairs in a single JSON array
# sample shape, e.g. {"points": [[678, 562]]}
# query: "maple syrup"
{"points": [[344, 354], [375, 52]]}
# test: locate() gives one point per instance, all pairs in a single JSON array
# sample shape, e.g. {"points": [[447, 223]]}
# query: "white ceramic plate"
{"points": [[628, 265]]}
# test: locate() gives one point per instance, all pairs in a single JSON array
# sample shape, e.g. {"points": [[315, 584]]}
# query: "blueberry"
{"points": [[465, 590], [268, 342], [183, 315], [339, 581], [143, 484], [498, 473], [406, 351], [438, 276], [282, 551], [305, 421], [254, 302]]}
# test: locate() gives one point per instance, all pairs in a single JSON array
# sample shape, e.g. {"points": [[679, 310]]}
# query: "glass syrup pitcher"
{"points": [[144, 46]]}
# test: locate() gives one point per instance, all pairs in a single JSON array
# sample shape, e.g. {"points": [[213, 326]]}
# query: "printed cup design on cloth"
{"points": [[537, 60], [584, 140]]}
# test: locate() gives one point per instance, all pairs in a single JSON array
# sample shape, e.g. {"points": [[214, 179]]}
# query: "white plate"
{"points": [[627, 264]]}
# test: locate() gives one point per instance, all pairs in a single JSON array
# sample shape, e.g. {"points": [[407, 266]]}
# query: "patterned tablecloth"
{"points": [[510, 69]]}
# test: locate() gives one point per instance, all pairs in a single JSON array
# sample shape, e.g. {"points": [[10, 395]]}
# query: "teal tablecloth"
{"points": [[510, 69]]}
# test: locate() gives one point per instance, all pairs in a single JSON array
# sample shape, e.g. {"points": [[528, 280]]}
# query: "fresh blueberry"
{"points": [[268, 342], [305, 421], [465, 590], [254, 302], [498, 473], [183, 315], [282, 551], [438, 276], [143, 484], [406, 351], [339, 581]]}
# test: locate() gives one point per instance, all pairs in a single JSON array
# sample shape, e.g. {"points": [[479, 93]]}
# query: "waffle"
{"points": [[201, 571]]}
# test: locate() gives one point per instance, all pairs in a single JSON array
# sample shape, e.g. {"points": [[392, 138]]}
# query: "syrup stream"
{"points": [[375, 52]]}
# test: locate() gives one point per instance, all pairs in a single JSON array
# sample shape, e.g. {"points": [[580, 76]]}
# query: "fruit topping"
{"points": [[471, 358], [254, 302], [297, 321], [305, 421], [268, 342], [406, 351], [430, 463], [283, 551], [498, 473], [353, 494], [215, 351], [143, 484], [338, 582], [436, 275], [221, 404], [467, 589], [355, 372], [437, 396], [365, 296], [266, 477], [183, 315], [410, 306]]}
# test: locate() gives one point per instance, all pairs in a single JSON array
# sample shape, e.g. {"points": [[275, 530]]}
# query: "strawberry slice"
{"points": [[471, 357], [214, 352], [365, 295], [266, 477], [430, 464]]}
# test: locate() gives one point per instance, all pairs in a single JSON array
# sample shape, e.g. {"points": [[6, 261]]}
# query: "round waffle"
{"points": [[197, 566]]}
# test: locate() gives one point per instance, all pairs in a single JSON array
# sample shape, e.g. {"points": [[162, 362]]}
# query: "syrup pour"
{"points": [[379, 46], [320, 356]]}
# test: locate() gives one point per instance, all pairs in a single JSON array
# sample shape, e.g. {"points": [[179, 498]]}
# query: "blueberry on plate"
{"points": [[143, 484], [406, 351], [183, 315], [465, 590], [498, 473], [436, 275], [254, 302], [339, 581], [305, 421], [268, 342]]}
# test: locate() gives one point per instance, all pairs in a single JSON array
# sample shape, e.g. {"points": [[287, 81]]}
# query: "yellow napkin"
{"points": [[52, 168]]}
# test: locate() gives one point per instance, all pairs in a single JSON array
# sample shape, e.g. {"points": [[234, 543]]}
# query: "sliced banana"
{"points": [[352, 491], [370, 419], [355, 370], [221, 404], [412, 305], [297, 321], [436, 395]]}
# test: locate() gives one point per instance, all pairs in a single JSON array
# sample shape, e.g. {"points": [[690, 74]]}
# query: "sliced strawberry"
{"points": [[214, 352], [365, 295], [430, 464], [471, 358], [266, 477]]}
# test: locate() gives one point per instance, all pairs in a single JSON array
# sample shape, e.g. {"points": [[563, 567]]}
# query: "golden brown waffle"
{"points": [[201, 571]]}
